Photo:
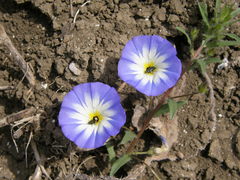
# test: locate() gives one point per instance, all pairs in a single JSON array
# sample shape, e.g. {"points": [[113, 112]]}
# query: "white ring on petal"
{"points": [[145, 57]]}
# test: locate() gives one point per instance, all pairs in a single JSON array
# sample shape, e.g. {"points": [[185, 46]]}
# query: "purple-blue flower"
{"points": [[150, 64], [90, 114]]}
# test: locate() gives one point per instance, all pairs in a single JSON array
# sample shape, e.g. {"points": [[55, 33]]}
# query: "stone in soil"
{"points": [[215, 151]]}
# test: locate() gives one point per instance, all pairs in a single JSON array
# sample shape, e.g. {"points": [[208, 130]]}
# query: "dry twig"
{"points": [[212, 114], [38, 159], [29, 140], [37, 175], [18, 59], [121, 87], [71, 8], [4, 88], [21, 124], [16, 116], [84, 161], [212, 108], [76, 14]]}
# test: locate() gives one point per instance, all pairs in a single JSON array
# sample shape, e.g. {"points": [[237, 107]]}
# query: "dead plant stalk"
{"points": [[18, 59], [4, 88], [38, 159], [13, 118]]}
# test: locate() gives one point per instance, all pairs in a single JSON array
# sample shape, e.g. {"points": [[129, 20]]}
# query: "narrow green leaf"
{"points": [[172, 107], [202, 65], [186, 34], [225, 15], [235, 12], [194, 34], [224, 43], [202, 88], [217, 9], [165, 108], [230, 23], [119, 163], [208, 38], [111, 152], [128, 136], [233, 36], [204, 13], [212, 60]]}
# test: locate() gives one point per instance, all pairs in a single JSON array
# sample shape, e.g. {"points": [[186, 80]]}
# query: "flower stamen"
{"points": [[95, 118], [150, 68]]}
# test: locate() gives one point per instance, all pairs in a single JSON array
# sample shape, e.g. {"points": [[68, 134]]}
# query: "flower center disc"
{"points": [[95, 118], [150, 68]]}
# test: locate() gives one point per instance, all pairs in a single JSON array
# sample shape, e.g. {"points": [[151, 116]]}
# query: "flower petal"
{"points": [[72, 131], [86, 138], [79, 105], [136, 56], [162, 46], [68, 116]]}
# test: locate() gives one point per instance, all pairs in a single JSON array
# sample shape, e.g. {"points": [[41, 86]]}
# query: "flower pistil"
{"points": [[95, 118], [149, 68]]}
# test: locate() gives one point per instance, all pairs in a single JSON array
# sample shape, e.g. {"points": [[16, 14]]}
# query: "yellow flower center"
{"points": [[95, 118], [149, 68]]}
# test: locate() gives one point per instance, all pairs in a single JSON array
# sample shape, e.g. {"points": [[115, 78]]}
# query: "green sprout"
{"points": [[214, 34]]}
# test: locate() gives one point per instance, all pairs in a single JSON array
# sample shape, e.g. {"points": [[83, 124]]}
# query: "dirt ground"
{"points": [[64, 51]]}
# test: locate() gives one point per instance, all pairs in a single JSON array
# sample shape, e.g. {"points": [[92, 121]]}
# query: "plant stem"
{"points": [[184, 95], [148, 119], [141, 153], [198, 51], [162, 100], [18, 59]]}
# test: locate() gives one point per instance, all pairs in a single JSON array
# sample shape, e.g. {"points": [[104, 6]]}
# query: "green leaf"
{"points": [[202, 64], [111, 152], [217, 9], [233, 36], [128, 136], [165, 108], [204, 13], [223, 43], [212, 60], [119, 163], [194, 34], [186, 34], [235, 12], [225, 15], [202, 88], [174, 106], [208, 38]]}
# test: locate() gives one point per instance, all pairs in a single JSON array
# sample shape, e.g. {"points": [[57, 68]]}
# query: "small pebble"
{"points": [[44, 85], [215, 151], [223, 65], [74, 69]]}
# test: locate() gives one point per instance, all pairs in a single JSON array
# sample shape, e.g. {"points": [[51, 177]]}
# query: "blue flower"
{"points": [[150, 64], [90, 114]]}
